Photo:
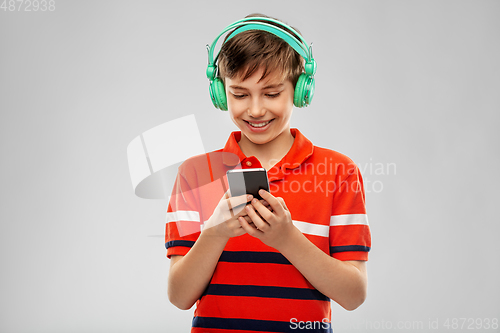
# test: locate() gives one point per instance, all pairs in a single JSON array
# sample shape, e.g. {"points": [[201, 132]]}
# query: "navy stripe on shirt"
{"points": [[264, 291], [254, 257], [347, 248], [262, 325], [179, 243]]}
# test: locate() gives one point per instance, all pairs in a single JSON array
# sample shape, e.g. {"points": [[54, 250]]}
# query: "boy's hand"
{"points": [[272, 226], [224, 220]]}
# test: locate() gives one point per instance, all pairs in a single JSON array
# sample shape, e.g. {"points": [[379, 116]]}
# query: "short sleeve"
{"points": [[350, 237], [199, 186], [183, 221]]}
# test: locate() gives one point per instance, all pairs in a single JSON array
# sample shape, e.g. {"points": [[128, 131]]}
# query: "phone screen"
{"points": [[247, 181]]}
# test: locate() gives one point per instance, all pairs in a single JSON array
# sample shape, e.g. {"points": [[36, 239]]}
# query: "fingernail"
{"points": [[249, 197]]}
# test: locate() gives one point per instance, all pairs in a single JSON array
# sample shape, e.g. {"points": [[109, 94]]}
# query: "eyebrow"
{"points": [[269, 86]]}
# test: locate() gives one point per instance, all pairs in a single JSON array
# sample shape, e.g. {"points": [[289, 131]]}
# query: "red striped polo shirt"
{"points": [[254, 288]]}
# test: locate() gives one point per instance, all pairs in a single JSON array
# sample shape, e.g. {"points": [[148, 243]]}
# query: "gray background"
{"points": [[411, 87]]}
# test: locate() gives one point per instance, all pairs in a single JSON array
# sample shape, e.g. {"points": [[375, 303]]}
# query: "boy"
{"points": [[275, 264]]}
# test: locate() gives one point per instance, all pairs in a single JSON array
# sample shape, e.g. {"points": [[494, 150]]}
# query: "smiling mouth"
{"points": [[257, 125]]}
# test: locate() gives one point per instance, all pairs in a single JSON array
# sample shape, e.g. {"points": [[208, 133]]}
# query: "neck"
{"points": [[270, 152]]}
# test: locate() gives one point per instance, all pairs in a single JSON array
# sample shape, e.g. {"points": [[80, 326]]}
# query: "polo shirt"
{"points": [[254, 288]]}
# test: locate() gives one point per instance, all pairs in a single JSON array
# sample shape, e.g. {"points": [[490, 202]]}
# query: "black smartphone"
{"points": [[247, 181]]}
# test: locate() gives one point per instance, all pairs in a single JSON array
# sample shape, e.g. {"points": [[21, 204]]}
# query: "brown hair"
{"points": [[251, 50]]}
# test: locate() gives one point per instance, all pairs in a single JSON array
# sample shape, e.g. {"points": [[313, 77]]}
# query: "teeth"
{"points": [[259, 125]]}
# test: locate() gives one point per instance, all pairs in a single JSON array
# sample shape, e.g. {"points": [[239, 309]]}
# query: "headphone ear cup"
{"points": [[304, 91], [309, 90], [218, 94], [298, 95]]}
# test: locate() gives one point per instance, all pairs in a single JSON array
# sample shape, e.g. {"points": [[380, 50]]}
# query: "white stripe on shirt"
{"points": [[183, 215], [349, 219], [312, 229]]}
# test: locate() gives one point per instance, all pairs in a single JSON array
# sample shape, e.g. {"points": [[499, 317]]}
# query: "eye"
{"points": [[273, 95], [238, 96]]}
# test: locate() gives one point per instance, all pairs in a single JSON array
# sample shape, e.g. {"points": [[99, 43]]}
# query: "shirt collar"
{"points": [[301, 149], [233, 148]]}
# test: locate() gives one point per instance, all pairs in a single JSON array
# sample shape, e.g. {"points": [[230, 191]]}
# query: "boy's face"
{"points": [[261, 110]]}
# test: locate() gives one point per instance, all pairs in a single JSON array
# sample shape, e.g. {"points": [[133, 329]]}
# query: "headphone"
{"points": [[304, 89]]}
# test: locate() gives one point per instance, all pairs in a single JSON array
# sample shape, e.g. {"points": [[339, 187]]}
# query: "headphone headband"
{"points": [[285, 35], [298, 44]]}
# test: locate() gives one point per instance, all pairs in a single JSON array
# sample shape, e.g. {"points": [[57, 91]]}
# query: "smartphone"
{"points": [[247, 181]]}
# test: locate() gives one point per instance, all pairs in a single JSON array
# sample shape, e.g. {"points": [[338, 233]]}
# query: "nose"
{"points": [[256, 108]]}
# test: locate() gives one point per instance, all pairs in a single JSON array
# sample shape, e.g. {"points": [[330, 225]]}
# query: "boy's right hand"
{"points": [[224, 221]]}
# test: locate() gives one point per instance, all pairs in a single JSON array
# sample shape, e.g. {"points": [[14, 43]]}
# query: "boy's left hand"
{"points": [[274, 227]]}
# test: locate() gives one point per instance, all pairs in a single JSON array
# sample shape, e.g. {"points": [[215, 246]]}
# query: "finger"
{"points": [[265, 203], [249, 229], [275, 204], [243, 214], [237, 204], [250, 222], [282, 201], [225, 204], [235, 228], [264, 212], [257, 220], [248, 219]]}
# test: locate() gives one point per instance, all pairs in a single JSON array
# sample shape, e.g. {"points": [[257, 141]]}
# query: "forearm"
{"points": [[341, 281], [190, 275]]}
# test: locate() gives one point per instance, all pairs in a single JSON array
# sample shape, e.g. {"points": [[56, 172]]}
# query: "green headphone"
{"points": [[304, 89]]}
